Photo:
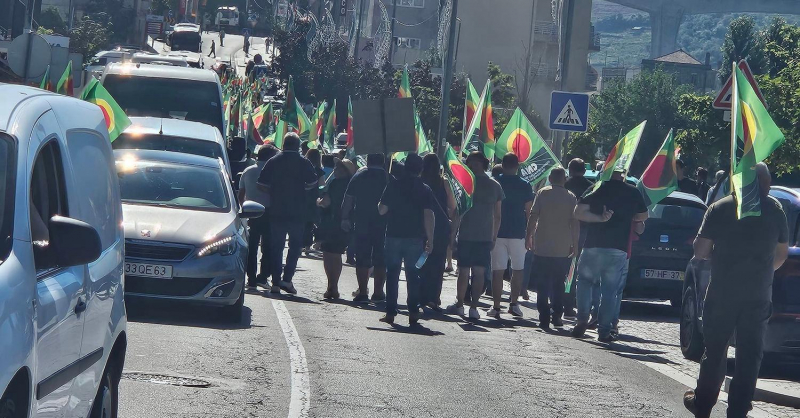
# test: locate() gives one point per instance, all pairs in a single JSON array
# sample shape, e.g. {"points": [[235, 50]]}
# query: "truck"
{"points": [[227, 16]]}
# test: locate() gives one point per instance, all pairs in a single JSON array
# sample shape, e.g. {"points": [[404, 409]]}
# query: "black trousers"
{"points": [[720, 320], [431, 274], [550, 273], [259, 236]]}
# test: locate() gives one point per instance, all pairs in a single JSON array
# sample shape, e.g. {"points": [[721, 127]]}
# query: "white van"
{"points": [[62, 312]]}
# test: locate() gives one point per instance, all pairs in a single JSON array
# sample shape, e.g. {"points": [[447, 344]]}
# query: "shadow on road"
{"points": [[413, 329], [646, 311], [171, 313]]}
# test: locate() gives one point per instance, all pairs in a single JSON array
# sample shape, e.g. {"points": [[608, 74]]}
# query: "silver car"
{"points": [[185, 235]]}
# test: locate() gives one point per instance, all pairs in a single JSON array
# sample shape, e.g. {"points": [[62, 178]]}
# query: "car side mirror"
{"points": [[251, 210], [73, 242]]}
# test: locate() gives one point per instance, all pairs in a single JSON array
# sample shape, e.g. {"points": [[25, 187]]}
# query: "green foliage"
{"points": [[782, 94], [50, 19], [619, 22], [781, 44], [704, 137], [88, 37], [742, 42]]}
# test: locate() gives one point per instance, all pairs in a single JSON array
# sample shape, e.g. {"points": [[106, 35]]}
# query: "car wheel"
{"points": [[107, 399], [233, 313], [691, 337]]}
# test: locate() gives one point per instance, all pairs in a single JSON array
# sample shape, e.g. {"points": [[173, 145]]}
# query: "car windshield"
{"points": [[171, 185], [131, 140], [197, 101], [186, 41], [227, 13], [7, 166]]}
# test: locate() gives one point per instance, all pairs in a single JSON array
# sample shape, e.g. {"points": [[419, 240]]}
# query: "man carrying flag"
{"points": [[745, 235]]}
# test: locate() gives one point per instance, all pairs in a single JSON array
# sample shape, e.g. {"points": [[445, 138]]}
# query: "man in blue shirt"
{"points": [[286, 177]]}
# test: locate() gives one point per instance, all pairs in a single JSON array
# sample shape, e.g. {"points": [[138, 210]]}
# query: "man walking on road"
{"points": [[408, 205], [553, 237], [610, 212], [259, 227], [213, 49], [744, 255], [476, 235], [361, 200], [221, 37], [286, 177], [510, 244], [577, 184]]}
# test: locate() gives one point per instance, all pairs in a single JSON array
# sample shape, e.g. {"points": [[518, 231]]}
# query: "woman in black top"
{"points": [[432, 273], [315, 157], [334, 240]]}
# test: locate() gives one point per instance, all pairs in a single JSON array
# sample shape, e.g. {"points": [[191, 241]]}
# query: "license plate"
{"points": [[148, 270], [662, 274]]}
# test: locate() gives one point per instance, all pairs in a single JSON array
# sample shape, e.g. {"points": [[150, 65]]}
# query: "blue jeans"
{"points": [[280, 229], [603, 270], [621, 289], [397, 252]]}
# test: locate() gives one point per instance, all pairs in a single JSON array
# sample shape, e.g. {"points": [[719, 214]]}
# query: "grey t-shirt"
{"points": [[249, 181], [478, 223], [744, 249]]}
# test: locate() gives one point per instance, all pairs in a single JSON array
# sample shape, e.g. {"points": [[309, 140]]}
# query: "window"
{"points": [[200, 147], [48, 199], [411, 3], [7, 182], [99, 61], [167, 185], [409, 43]]}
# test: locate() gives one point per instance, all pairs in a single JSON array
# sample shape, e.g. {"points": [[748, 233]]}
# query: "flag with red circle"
{"points": [[116, 119]]}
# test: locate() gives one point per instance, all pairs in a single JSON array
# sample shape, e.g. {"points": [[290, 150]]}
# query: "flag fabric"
{"points": [[262, 118], [480, 134], [317, 125], [471, 105], [461, 179], [289, 113], [46, 84], [535, 157], [276, 138], [423, 146], [754, 136], [621, 156], [349, 123], [65, 84], [116, 119], [330, 128], [233, 121], [661, 177], [405, 85]]}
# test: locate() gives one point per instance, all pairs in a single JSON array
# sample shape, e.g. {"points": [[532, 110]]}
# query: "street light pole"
{"points": [[358, 31], [391, 36], [447, 81]]}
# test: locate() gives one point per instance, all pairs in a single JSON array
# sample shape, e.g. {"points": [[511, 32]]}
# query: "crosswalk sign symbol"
{"points": [[569, 111]]}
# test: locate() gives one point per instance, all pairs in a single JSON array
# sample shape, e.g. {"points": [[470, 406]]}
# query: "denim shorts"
{"points": [[474, 254]]}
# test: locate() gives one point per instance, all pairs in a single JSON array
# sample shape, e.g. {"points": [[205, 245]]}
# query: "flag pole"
{"points": [[447, 81]]}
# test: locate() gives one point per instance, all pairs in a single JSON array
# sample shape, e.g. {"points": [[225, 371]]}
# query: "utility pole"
{"points": [[567, 33], [358, 31], [393, 44], [447, 81]]}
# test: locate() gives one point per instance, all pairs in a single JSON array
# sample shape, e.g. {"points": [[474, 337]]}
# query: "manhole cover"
{"points": [[162, 379]]}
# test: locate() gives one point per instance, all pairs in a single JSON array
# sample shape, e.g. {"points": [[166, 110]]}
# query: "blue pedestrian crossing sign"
{"points": [[569, 111]]}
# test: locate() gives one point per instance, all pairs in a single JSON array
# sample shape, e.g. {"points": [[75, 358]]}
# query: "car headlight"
{"points": [[225, 246]]}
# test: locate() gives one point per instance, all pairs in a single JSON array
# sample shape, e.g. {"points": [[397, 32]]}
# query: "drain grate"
{"points": [[162, 379]]}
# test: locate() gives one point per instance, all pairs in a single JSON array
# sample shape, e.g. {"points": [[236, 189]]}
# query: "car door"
{"points": [[59, 291]]}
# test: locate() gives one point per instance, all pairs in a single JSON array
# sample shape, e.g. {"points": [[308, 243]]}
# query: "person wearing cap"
{"points": [[259, 227], [609, 212], [477, 234], [333, 239]]}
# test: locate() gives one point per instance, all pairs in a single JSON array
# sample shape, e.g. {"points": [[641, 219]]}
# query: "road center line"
{"points": [[301, 387]]}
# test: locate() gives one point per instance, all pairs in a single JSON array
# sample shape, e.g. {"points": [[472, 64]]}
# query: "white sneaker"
{"points": [[494, 312], [456, 309], [515, 310], [474, 314], [288, 287]]}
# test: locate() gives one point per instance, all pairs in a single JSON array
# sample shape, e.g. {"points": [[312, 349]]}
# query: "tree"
{"points": [[88, 37], [51, 19], [782, 96], [742, 42], [781, 44], [704, 136]]}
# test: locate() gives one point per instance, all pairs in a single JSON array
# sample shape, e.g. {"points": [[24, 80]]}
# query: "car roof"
{"points": [[169, 157], [13, 96], [686, 196], [174, 127], [161, 71], [111, 53], [187, 27]]}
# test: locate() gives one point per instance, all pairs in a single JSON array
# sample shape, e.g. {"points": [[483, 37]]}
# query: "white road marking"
{"points": [[301, 387]]}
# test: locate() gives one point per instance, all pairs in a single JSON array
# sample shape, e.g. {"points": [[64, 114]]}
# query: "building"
{"points": [[686, 68]]}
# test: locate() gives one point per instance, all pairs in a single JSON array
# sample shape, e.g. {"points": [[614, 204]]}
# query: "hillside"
{"points": [[625, 34]]}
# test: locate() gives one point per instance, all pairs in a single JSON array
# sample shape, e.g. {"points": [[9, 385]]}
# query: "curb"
{"points": [[772, 392]]}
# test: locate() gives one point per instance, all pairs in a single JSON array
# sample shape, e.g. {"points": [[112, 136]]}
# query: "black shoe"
{"points": [[350, 262], [378, 297], [545, 326], [361, 298], [615, 332], [690, 402], [592, 324], [251, 285], [413, 318], [434, 307], [389, 319], [557, 322], [579, 330], [570, 313], [606, 338]]}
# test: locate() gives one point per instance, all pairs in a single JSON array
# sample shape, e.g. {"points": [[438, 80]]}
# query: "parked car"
{"points": [[783, 331], [176, 136], [166, 92], [185, 235], [99, 62], [159, 59], [62, 314]]}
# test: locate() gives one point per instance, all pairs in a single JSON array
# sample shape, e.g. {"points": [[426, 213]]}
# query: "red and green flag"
{"points": [[521, 138], [65, 84], [461, 179], [471, 105], [405, 85], [317, 125], [621, 156], [116, 119], [349, 123], [480, 134], [754, 136], [46, 84], [661, 177], [276, 138], [234, 115], [330, 128]]}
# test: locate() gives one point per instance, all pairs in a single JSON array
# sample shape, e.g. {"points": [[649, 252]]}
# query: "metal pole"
{"points": [[447, 80], [557, 146], [394, 44], [358, 31]]}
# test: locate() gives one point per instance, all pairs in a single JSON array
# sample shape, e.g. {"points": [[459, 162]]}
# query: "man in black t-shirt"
{"points": [[744, 255], [685, 184], [610, 212], [408, 205], [361, 199], [577, 184]]}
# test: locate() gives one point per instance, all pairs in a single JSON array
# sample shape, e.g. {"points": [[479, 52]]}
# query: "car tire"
{"points": [[106, 402], [233, 313], [691, 338]]}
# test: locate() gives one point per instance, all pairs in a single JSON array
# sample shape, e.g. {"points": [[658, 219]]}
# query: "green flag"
{"points": [[46, 84], [480, 134], [116, 119], [330, 128], [754, 136], [461, 179], [661, 177], [621, 156], [64, 85], [535, 157]]}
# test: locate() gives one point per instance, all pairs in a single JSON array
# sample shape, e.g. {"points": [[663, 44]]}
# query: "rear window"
{"points": [[168, 143], [196, 101], [7, 168], [678, 216]]}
